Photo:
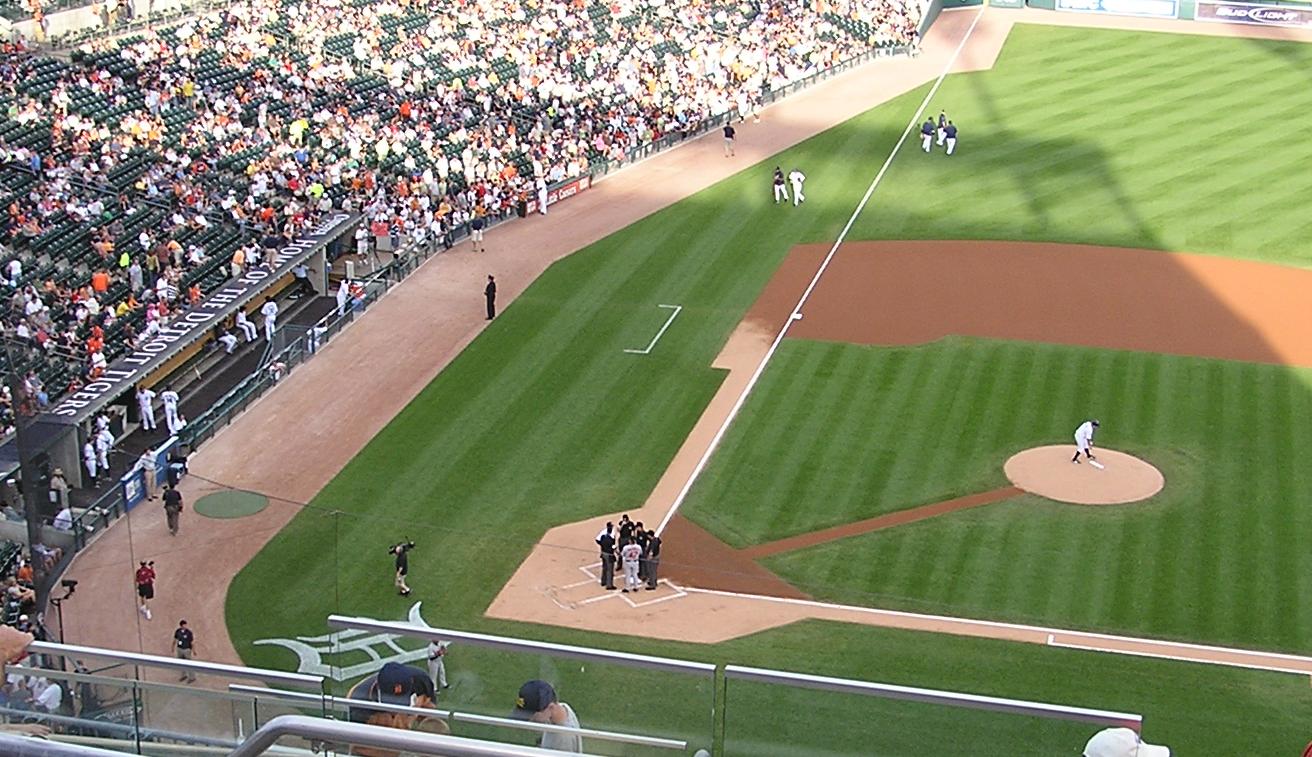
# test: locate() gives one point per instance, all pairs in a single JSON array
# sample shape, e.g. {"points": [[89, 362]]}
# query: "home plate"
{"points": [[1097, 465]]}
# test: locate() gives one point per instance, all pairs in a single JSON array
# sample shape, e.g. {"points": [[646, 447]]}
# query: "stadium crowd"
{"points": [[147, 170]]}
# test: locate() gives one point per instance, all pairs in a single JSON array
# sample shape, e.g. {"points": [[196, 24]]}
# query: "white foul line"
{"points": [[1051, 634], [797, 309], [657, 338]]}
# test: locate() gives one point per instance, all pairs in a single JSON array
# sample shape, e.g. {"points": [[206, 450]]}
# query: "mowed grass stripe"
{"points": [[1130, 137], [1191, 563]]}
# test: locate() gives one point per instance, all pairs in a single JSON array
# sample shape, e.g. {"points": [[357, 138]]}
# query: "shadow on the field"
{"points": [[1069, 164]]}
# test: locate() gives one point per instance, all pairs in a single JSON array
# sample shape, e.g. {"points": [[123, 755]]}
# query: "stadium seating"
{"points": [[500, 96]]}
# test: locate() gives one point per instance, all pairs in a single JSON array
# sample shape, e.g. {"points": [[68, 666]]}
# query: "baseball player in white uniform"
{"points": [[104, 443], [630, 554], [437, 662], [1084, 440], [247, 328], [270, 312], [144, 399], [796, 177], [171, 419], [89, 460]]}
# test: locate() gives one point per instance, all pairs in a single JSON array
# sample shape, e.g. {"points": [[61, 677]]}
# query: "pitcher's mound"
{"points": [[1049, 472]]}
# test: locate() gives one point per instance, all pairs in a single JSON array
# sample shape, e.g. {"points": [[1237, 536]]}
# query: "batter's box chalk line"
{"points": [[595, 578], [675, 311]]}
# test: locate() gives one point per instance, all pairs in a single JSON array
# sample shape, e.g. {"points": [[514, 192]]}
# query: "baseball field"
{"points": [[1182, 152]]}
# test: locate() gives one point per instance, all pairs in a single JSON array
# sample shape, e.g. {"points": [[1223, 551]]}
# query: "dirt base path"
{"points": [[880, 522]]}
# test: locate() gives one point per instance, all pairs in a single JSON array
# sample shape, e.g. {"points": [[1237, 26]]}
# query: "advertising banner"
{"points": [[1150, 8], [1251, 13], [1007, 3], [560, 192]]}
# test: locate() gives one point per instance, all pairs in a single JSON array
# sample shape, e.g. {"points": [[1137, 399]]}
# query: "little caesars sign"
{"points": [[128, 369]]}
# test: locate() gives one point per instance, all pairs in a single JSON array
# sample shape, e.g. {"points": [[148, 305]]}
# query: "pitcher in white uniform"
{"points": [[1084, 440]]}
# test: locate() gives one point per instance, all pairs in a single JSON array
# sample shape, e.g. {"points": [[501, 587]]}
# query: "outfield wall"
{"points": [[1295, 14]]}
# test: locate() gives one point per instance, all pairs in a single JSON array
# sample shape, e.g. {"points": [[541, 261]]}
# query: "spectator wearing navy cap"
{"points": [[396, 684], [537, 703]]}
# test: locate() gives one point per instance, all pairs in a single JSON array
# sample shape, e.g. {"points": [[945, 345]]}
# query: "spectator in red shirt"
{"points": [[145, 587]]}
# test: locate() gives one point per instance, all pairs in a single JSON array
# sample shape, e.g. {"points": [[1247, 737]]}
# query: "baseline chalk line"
{"points": [[659, 334]]}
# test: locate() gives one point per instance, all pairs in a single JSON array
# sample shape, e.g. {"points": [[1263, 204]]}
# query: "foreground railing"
{"points": [[626, 703]]}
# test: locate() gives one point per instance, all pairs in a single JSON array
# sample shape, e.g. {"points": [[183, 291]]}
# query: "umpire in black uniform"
{"points": [[606, 542], [651, 558]]}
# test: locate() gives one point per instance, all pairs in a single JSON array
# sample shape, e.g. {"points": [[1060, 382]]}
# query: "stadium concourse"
{"points": [[256, 453]]}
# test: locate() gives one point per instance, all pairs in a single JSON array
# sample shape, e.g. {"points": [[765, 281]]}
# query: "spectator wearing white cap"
{"points": [[1122, 742]]}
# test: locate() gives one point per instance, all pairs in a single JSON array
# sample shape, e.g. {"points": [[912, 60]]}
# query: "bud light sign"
{"points": [[1246, 13]]}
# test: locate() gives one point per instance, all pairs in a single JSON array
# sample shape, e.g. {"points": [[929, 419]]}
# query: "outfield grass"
{"points": [[544, 420], [835, 433], [1135, 140]]}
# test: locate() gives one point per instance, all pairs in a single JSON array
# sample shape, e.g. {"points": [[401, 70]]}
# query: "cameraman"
{"points": [[402, 550]]}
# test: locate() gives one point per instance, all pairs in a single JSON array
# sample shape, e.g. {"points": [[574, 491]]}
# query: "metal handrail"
{"points": [[935, 696], [338, 703], [128, 732], [522, 645], [26, 746], [299, 680], [396, 739]]}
